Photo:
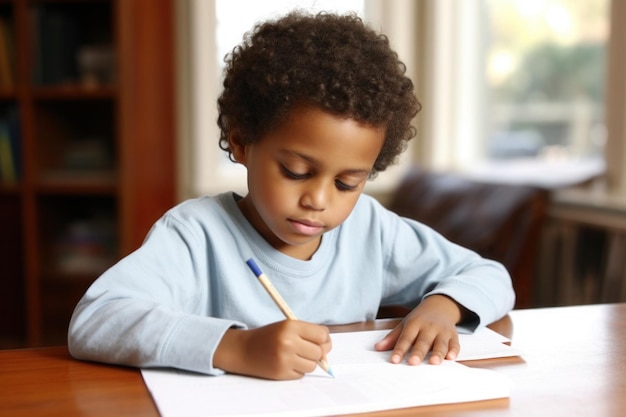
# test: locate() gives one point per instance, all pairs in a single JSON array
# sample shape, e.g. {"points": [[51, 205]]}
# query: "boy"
{"points": [[313, 107]]}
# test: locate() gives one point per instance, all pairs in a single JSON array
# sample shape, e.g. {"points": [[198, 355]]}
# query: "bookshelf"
{"points": [[87, 149]]}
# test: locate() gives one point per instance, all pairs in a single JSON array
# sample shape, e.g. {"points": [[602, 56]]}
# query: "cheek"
{"points": [[269, 193]]}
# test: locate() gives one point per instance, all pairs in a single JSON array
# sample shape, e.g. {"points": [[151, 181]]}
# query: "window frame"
{"points": [[615, 149]]}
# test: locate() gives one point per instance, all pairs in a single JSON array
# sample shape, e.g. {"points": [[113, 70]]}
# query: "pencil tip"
{"points": [[323, 363]]}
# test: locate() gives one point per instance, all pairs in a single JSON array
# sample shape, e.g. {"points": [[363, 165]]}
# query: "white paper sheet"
{"points": [[364, 381], [483, 344]]}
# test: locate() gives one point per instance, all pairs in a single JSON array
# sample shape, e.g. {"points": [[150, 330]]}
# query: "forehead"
{"points": [[310, 131]]}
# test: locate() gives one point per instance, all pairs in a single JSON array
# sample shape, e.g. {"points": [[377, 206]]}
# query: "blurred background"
{"points": [[512, 90], [108, 118]]}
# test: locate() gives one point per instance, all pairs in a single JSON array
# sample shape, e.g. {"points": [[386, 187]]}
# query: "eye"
{"points": [[341, 186], [290, 174]]}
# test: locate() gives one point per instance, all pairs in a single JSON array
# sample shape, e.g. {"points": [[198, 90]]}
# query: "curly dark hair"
{"points": [[333, 62]]}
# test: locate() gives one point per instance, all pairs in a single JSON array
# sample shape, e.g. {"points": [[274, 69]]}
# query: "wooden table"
{"points": [[574, 364]]}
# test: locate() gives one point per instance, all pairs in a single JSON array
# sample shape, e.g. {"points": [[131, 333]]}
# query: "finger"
{"points": [[389, 341], [322, 346], [454, 347], [291, 370], [403, 346], [300, 358], [421, 347], [305, 364], [315, 333], [439, 351], [309, 350], [327, 346]]}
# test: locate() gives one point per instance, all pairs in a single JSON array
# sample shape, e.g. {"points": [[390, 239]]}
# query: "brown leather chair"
{"points": [[499, 221]]}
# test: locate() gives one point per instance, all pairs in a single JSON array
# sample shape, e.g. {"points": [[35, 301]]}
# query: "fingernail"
{"points": [[414, 360]]}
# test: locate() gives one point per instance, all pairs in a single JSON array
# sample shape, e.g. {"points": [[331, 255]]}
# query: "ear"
{"points": [[236, 147]]}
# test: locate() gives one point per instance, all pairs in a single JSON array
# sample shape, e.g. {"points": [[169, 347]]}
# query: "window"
{"points": [[519, 89], [545, 73]]}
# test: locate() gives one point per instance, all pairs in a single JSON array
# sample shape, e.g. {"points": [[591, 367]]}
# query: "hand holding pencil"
{"points": [[282, 305]]}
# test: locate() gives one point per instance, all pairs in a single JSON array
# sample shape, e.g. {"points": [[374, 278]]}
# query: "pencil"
{"points": [[280, 302]]}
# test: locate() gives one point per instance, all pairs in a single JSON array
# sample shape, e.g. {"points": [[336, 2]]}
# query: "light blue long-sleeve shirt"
{"points": [[169, 303]]}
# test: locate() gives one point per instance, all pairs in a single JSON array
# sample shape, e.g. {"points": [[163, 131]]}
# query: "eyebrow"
{"points": [[351, 171]]}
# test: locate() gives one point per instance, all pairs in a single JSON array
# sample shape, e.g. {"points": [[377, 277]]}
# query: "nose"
{"points": [[316, 195]]}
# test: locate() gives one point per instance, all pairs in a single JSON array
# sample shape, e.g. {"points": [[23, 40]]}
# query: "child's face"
{"points": [[305, 177]]}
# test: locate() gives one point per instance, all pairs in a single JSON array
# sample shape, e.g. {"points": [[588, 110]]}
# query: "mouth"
{"points": [[307, 227]]}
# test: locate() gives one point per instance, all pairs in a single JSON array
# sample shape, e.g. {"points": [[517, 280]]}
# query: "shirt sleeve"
{"points": [[151, 308], [420, 262]]}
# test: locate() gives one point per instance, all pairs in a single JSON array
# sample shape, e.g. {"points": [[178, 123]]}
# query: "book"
{"points": [[56, 44], [10, 147], [8, 174]]}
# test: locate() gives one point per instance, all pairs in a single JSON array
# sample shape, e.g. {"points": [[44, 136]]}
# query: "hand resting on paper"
{"points": [[283, 350], [430, 327]]}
